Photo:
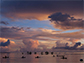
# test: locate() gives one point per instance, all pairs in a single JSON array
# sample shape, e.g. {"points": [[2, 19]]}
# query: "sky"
{"points": [[41, 25]]}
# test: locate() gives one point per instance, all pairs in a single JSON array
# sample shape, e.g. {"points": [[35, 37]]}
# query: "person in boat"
{"points": [[23, 57], [51, 52], [81, 59], [46, 53], [6, 57], [64, 57], [37, 57]]}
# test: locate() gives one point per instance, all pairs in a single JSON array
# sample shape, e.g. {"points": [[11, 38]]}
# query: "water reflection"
{"points": [[16, 57]]}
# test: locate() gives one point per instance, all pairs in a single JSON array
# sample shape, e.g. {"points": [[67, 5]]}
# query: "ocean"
{"points": [[72, 57]]}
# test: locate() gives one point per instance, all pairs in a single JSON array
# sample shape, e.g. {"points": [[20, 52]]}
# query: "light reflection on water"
{"points": [[16, 58]]}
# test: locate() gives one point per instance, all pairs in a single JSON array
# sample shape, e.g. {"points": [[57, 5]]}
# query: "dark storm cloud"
{"points": [[15, 8], [59, 17], [65, 21], [77, 44], [68, 47], [22, 6], [5, 44], [74, 47], [3, 22]]}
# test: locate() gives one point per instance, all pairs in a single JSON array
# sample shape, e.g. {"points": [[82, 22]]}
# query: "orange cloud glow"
{"points": [[30, 16]]}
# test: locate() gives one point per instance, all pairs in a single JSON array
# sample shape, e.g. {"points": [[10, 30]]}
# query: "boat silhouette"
{"points": [[37, 57], [6, 57]]}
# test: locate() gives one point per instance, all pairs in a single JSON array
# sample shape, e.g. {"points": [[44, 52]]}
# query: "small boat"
{"points": [[29, 53], [64, 57], [81, 59], [23, 57], [6, 57], [46, 53], [37, 57], [51, 52]]}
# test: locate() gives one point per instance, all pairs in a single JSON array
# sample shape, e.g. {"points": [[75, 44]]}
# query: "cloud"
{"points": [[77, 44], [38, 34], [74, 40], [5, 44], [3, 22], [20, 33], [82, 47], [60, 43], [67, 47], [73, 36], [74, 47], [59, 17], [30, 45], [39, 9], [65, 21], [34, 45], [31, 38], [11, 32], [8, 45]]}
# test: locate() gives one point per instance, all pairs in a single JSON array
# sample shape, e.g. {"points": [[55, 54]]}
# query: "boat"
{"points": [[81, 59], [37, 57], [64, 57], [23, 57], [6, 57]]}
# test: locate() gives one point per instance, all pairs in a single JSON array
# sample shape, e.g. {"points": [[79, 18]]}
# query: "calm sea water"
{"points": [[72, 57]]}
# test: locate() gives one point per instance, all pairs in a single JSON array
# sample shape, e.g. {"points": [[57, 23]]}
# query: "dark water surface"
{"points": [[72, 57]]}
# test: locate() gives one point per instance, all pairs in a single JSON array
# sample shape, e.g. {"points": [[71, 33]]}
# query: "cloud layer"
{"points": [[37, 34], [31, 38], [40, 9], [65, 21]]}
